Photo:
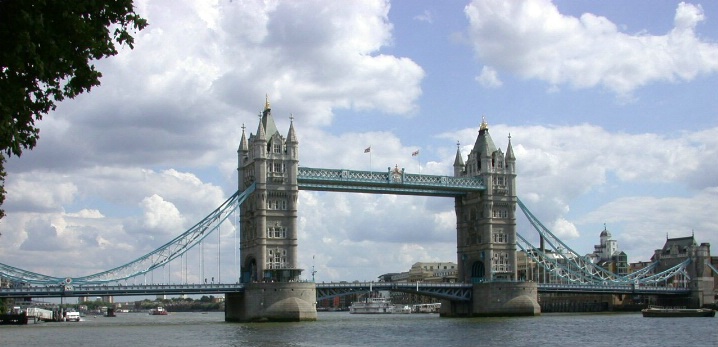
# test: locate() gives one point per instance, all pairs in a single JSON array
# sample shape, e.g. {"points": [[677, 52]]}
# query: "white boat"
{"points": [[403, 309], [72, 316], [372, 306], [159, 311], [427, 308]]}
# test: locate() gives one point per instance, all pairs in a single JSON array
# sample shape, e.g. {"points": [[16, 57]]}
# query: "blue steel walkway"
{"points": [[393, 181]]}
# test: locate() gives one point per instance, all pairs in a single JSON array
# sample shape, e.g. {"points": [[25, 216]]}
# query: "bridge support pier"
{"points": [[702, 292], [497, 299], [701, 295], [272, 302]]}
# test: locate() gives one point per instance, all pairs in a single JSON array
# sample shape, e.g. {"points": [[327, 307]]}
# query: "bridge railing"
{"points": [[119, 290]]}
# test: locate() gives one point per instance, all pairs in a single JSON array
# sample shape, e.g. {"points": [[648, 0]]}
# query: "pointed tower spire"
{"points": [[243, 144], [270, 128], [510, 151], [458, 161], [261, 134], [484, 145], [291, 136]]}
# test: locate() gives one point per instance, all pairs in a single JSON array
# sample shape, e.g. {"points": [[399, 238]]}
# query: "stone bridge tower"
{"points": [[486, 235], [486, 221], [268, 229]]}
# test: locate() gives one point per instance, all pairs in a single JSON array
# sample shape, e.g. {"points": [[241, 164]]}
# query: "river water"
{"points": [[344, 329]]}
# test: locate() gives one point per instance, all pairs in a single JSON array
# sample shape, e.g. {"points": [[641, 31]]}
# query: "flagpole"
{"points": [[417, 154], [368, 150]]}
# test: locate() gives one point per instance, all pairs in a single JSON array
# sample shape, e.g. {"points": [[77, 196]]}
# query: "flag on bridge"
{"points": [[415, 153], [367, 150]]}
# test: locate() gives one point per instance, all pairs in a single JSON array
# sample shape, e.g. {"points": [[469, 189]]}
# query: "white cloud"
{"points": [[161, 215], [426, 16], [533, 40], [489, 77]]}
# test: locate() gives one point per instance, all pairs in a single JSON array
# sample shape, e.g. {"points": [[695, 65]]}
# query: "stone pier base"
{"points": [[493, 299], [272, 302], [496, 299]]}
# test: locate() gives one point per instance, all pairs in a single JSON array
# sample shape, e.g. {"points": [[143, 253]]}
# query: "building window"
{"points": [[501, 213], [277, 148], [276, 258], [500, 262], [276, 232], [500, 237]]}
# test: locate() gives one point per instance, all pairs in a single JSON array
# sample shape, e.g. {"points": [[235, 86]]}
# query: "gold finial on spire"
{"points": [[484, 124], [266, 102]]}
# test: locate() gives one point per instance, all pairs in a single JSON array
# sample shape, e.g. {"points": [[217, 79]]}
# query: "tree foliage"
{"points": [[46, 52]]}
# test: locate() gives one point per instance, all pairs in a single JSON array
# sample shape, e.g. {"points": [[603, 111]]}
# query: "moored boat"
{"points": [[427, 308], [72, 316], [372, 306], [159, 311], [405, 309], [668, 312]]}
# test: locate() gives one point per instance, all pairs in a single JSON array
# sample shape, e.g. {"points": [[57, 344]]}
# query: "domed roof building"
{"points": [[607, 255]]}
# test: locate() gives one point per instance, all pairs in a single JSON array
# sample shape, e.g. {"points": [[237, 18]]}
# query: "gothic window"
{"points": [[500, 262], [500, 237], [276, 232], [276, 258], [500, 212], [277, 148]]}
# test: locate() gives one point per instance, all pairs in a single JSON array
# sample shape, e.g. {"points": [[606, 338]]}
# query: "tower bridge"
{"points": [[270, 286]]}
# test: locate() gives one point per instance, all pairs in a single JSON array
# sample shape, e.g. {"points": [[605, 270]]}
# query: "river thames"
{"points": [[344, 329]]}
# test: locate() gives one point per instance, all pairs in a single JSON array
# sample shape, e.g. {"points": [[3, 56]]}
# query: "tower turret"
{"points": [[459, 166]]}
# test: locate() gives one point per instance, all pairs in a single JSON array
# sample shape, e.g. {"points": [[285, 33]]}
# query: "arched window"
{"points": [[477, 270]]}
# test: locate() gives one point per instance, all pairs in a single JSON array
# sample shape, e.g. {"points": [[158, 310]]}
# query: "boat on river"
{"points": [[655, 311], [159, 311], [372, 306], [72, 316]]}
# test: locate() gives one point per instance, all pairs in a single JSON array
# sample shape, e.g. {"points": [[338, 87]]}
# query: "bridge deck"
{"points": [[450, 291], [389, 182]]}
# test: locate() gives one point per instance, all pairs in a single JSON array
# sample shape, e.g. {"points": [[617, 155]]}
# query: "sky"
{"points": [[610, 106]]}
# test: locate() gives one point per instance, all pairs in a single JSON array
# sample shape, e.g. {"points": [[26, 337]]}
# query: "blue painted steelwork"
{"points": [[715, 271], [565, 263], [394, 181], [119, 290], [610, 289], [450, 291], [148, 262]]}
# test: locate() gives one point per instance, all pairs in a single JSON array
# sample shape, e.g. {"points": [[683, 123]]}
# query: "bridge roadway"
{"points": [[450, 291]]}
